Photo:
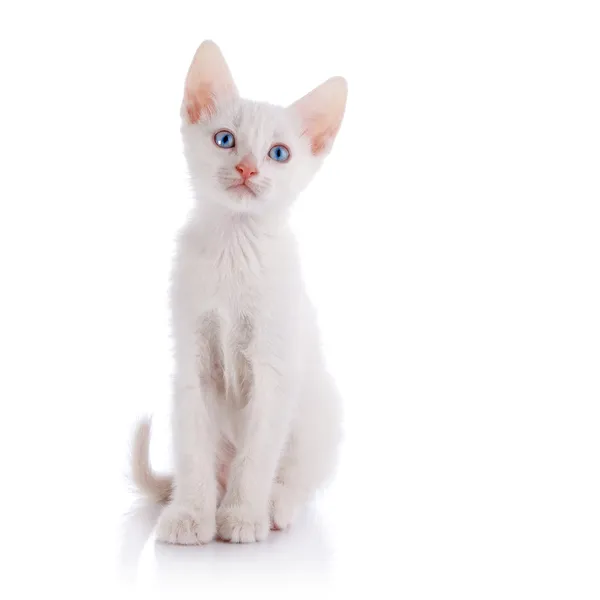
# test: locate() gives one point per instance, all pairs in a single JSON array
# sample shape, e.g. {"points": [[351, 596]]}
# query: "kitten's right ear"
{"points": [[322, 111], [207, 81]]}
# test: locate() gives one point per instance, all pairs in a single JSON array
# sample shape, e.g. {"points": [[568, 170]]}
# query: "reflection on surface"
{"points": [[138, 523], [300, 554]]}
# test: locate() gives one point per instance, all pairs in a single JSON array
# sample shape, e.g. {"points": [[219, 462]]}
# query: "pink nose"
{"points": [[246, 168]]}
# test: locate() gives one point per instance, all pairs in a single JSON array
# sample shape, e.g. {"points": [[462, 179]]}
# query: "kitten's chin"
{"points": [[240, 201], [241, 190]]}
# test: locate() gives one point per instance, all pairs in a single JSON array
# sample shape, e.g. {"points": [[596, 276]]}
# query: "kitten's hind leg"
{"points": [[310, 455]]}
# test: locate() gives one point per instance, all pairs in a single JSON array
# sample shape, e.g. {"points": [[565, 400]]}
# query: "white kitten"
{"points": [[256, 420]]}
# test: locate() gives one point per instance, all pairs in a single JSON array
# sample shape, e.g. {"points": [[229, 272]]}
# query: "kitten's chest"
{"points": [[235, 281], [228, 270]]}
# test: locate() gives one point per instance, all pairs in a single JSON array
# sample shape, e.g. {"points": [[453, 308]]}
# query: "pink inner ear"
{"points": [[199, 103], [322, 111], [321, 133], [321, 137]]}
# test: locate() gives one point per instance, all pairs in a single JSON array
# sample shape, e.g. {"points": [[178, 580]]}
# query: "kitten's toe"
{"points": [[283, 508], [185, 526], [239, 525]]}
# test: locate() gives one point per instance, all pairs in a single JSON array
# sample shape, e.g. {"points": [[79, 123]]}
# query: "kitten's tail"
{"points": [[157, 488]]}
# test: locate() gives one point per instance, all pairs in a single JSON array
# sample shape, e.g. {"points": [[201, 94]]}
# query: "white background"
{"points": [[451, 245]]}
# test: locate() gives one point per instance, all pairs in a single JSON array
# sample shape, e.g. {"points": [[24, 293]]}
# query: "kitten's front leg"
{"points": [[190, 518], [243, 515]]}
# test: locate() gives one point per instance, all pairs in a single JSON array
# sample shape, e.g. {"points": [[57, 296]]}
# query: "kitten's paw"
{"points": [[283, 507], [185, 526], [240, 525]]}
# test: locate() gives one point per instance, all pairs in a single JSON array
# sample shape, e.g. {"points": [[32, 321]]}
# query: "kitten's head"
{"points": [[253, 156]]}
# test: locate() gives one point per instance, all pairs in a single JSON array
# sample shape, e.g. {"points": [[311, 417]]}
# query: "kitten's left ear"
{"points": [[208, 81], [322, 111]]}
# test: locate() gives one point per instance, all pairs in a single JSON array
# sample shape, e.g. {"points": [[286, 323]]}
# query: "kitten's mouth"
{"points": [[242, 187]]}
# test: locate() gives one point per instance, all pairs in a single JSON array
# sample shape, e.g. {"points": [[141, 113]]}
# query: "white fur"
{"points": [[256, 417]]}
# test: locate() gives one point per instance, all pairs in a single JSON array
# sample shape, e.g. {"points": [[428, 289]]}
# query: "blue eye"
{"points": [[279, 153], [224, 139]]}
